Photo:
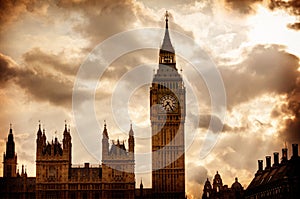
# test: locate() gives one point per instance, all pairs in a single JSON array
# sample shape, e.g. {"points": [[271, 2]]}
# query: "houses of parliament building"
{"points": [[115, 177], [57, 178]]}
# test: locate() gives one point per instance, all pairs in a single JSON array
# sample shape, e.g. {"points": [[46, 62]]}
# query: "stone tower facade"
{"points": [[53, 164], [167, 114], [118, 179], [10, 157]]}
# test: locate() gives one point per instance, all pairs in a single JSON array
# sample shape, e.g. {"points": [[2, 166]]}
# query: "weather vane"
{"points": [[167, 15]]}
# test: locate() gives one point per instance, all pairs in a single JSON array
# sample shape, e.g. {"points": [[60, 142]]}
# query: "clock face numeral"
{"points": [[169, 103]]}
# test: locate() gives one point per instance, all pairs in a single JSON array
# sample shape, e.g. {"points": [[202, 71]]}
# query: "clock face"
{"points": [[169, 103]]}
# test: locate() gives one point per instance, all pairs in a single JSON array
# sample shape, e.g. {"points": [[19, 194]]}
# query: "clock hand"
{"points": [[168, 104]]}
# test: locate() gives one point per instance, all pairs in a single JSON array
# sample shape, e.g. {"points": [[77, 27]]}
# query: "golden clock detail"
{"points": [[169, 103]]}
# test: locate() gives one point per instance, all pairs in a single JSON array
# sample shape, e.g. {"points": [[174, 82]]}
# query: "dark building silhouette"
{"points": [[10, 157], [13, 184], [280, 180], [56, 177], [167, 115], [219, 191], [118, 179]]}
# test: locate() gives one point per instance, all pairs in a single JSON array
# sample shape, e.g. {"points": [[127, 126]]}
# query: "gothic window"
{"points": [[52, 173]]}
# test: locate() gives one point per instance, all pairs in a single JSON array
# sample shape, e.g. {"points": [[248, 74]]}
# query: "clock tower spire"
{"points": [[167, 52], [167, 114]]}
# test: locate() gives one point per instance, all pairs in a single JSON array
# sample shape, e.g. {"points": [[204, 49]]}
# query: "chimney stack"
{"points": [[284, 155], [260, 167], [86, 165], [276, 159], [295, 150], [268, 163]]}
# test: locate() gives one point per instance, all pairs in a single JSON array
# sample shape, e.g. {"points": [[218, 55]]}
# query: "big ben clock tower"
{"points": [[167, 114]]}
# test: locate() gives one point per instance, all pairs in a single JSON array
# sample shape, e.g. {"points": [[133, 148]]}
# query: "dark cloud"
{"points": [[210, 121], [167, 3], [235, 129], [205, 119], [198, 174], [266, 69], [291, 131], [11, 10], [46, 87], [7, 72], [247, 7], [38, 83], [215, 124], [36, 58], [291, 6], [102, 18], [239, 152], [295, 26], [242, 6]]}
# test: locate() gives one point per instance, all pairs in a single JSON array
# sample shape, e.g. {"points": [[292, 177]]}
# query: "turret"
{"points": [[10, 158], [24, 171], [207, 190], [67, 144], [217, 183], [141, 189], [10, 145], [40, 141], [44, 137], [39, 132], [131, 140], [105, 144]]}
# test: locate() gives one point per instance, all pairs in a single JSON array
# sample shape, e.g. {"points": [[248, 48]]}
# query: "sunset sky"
{"points": [[253, 44]]}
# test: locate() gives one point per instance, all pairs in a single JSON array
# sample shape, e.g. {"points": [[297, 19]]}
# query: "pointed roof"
{"points": [[10, 138], [66, 132], [141, 184], [207, 184], [10, 128], [10, 144], [167, 45], [105, 134], [39, 133], [217, 179], [131, 131]]}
